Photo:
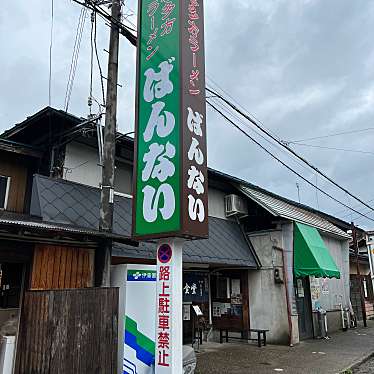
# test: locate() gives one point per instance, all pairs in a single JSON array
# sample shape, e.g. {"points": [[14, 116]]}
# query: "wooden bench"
{"points": [[261, 335]]}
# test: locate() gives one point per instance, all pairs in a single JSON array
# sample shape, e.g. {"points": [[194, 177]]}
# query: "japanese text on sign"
{"points": [[170, 192], [164, 288]]}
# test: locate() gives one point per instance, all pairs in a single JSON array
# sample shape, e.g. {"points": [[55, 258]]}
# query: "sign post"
{"points": [[169, 334], [170, 168]]}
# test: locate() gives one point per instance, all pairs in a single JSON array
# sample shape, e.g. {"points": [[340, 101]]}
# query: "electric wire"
{"points": [[358, 218], [133, 39], [75, 55], [340, 212], [333, 148], [234, 107], [50, 55], [330, 135], [274, 145], [129, 14], [240, 106], [98, 62], [348, 214], [91, 61], [283, 163], [124, 29]]}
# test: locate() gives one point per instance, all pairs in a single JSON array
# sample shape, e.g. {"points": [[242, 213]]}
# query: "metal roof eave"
{"points": [[338, 233], [44, 227]]}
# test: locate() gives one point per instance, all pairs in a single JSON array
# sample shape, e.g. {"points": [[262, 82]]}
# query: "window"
{"points": [[4, 191]]}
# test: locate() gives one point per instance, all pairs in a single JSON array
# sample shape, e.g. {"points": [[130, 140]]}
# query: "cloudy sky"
{"points": [[304, 68]]}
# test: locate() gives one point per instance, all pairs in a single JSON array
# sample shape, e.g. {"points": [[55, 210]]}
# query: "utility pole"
{"points": [[355, 244], [109, 149]]}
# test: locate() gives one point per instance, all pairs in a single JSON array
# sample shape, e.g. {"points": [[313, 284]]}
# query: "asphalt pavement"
{"points": [[342, 351]]}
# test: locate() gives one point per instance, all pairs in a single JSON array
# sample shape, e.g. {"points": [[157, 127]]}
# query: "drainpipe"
{"points": [[287, 294]]}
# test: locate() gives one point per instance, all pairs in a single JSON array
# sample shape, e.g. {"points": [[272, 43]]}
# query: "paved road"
{"points": [[366, 368], [309, 357]]}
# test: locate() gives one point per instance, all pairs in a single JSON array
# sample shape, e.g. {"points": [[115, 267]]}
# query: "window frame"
{"points": [[6, 197]]}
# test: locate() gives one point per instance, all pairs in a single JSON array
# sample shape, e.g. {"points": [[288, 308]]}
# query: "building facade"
{"points": [[242, 277]]}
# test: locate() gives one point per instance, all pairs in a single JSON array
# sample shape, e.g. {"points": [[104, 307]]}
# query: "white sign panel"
{"points": [[137, 320]]}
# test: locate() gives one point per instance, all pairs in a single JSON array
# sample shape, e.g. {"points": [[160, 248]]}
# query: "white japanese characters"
{"points": [[157, 85], [159, 159], [195, 180], [163, 123], [152, 199], [194, 121], [157, 162]]}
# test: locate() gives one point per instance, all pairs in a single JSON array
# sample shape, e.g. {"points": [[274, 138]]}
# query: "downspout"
{"points": [[287, 294]]}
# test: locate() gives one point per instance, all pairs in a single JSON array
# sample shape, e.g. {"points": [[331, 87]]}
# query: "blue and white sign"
{"points": [[137, 317]]}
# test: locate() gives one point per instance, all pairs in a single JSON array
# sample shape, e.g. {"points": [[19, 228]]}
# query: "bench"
{"points": [[261, 335]]}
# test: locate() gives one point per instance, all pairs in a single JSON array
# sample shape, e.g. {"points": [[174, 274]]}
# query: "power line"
{"points": [[283, 163], [50, 55], [330, 135], [98, 62], [334, 149], [344, 210], [74, 58], [133, 39], [357, 218], [287, 147], [275, 145], [240, 106], [317, 200], [124, 29], [91, 61]]}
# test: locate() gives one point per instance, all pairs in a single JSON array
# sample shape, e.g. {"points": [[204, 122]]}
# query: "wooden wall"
{"points": [[16, 169], [68, 332], [59, 267]]}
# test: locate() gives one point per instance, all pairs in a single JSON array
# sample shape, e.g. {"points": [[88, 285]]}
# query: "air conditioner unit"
{"points": [[235, 206]]}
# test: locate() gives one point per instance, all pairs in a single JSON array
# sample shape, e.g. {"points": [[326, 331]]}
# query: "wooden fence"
{"points": [[68, 332], [356, 285]]}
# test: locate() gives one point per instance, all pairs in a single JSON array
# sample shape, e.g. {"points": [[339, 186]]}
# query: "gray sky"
{"points": [[305, 68]]}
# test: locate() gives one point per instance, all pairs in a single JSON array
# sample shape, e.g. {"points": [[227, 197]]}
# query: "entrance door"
{"points": [[304, 308], [11, 275]]}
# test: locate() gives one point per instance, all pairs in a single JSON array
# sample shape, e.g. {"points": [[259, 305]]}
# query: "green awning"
{"points": [[311, 256]]}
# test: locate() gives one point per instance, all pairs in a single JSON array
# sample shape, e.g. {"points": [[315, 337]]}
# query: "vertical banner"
{"points": [[169, 308], [193, 107], [170, 168]]}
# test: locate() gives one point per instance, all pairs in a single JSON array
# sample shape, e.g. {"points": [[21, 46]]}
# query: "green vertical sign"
{"points": [[170, 168], [156, 206]]}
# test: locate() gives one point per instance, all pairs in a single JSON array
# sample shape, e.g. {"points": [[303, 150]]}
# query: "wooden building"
{"points": [[38, 257]]}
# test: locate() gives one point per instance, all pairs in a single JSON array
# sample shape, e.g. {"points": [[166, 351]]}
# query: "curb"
{"points": [[358, 362]]}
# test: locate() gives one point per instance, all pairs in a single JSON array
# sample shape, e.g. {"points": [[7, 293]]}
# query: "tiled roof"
{"points": [[61, 201], [226, 246]]}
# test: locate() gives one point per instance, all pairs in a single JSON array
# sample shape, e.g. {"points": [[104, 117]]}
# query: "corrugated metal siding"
{"points": [[281, 208]]}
